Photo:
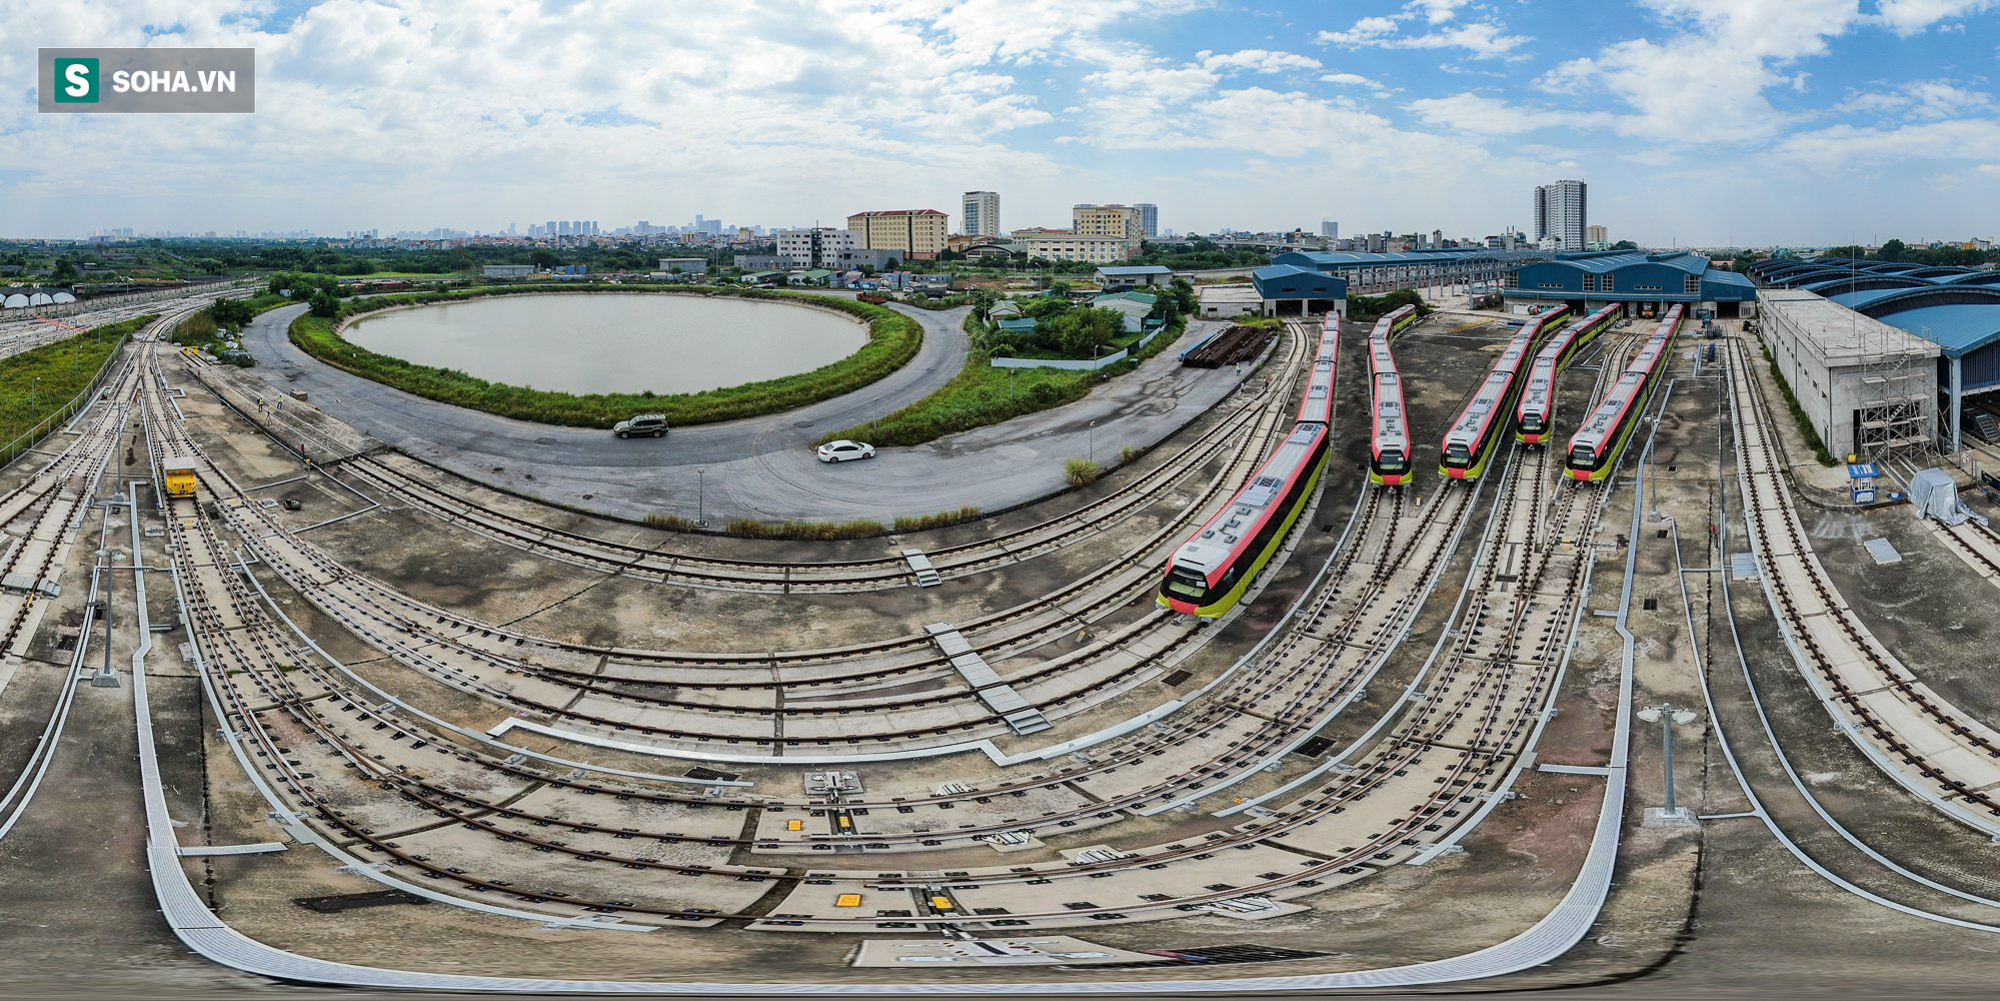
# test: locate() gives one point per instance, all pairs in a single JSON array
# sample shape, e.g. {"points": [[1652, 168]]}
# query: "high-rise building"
{"points": [[1329, 229], [1149, 219], [1560, 211], [1121, 221], [915, 234], [1596, 234], [982, 213]]}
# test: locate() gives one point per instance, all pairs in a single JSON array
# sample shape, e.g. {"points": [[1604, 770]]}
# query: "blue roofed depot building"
{"points": [[1645, 284], [1289, 290], [1953, 312]]}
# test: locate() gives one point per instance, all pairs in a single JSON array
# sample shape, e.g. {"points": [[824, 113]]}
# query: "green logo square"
{"points": [[76, 81]]}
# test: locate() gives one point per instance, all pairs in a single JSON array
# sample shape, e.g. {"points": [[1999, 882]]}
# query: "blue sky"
{"points": [[1696, 122]]}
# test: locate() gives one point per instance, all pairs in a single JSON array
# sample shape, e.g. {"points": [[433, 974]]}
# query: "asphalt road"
{"points": [[763, 467]]}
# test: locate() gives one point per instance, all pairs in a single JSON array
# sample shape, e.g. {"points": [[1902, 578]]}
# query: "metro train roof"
{"points": [[1473, 419], [1238, 521], [1619, 398]]}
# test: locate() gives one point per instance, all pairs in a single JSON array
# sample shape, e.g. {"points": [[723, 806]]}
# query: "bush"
{"points": [[1128, 453], [907, 523], [893, 339], [977, 396], [1080, 472], [673, 522], [813, 531], [1799, 417]]}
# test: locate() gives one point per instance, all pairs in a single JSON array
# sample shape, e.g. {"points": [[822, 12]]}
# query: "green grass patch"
{"points": [[37, 384], [1081, 472], [981, 395], [1824, 457], [977, 396], [893, 339]]}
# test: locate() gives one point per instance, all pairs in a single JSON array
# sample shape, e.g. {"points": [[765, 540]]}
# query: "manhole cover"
{"points": [[545, 441], [803, 424]]}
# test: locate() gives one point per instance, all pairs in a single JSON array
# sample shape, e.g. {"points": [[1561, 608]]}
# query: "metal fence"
{"points": [[47, 426]]}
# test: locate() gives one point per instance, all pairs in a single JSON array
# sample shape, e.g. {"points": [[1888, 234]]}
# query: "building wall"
{"points": [[913, 234], [982, 214], [1830, 393], [1058, 245], [1122, 221], [1149, 220], [1561, 211]]}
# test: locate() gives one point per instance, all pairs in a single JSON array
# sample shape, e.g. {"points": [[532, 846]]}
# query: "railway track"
{"points": [[1913, 734], [401, 627], [442, 815], [1240, 436]]}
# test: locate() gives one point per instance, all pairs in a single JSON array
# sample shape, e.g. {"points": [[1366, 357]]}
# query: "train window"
{"points": [[1582, 455], [1456, 452], [1392, 459], [1186, 584]]}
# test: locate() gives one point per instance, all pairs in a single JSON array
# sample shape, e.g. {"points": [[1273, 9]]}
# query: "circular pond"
{"points": [[612, 342]]}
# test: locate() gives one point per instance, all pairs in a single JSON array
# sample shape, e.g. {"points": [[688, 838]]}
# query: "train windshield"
{"points": [[1457, 454], [1392, 459], [1186, 584], [1582, 455]]}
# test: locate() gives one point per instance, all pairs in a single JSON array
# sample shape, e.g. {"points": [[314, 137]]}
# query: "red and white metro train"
{"points": [[1594, 449], [1208, 574], [1389, 438], [1475, 435], [1538, 397]]}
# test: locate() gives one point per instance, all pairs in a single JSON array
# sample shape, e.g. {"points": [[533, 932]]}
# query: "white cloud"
{"points": [[1843, 149], [1436, 11], [1483, 39], [1910, 17], [1352, 80], [1479, 115], [1706, 81], [1925, 99], [1256, 60]]}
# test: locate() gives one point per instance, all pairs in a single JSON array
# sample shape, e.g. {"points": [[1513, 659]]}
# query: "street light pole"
{"points": [[1090, 440], [700, 496], [1666, 715]]}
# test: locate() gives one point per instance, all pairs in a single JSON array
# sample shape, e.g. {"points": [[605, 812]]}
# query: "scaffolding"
{"points": [[1894, 401]]}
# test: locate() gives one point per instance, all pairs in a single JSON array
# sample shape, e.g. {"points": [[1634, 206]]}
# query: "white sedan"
{"points": [[843, 450]]}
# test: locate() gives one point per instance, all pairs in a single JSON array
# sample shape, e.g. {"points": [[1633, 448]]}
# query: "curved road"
{"points": [[762, 467]]}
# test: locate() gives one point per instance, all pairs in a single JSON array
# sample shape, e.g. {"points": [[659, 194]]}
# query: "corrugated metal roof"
{"points": [[1136, 269], [1957, 329]]}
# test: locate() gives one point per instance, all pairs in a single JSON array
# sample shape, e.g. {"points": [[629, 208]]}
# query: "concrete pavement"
{"points": [[763, 467]]}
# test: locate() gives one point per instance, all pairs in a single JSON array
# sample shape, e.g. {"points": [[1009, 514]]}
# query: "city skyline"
{"points": [[1382, 115]]}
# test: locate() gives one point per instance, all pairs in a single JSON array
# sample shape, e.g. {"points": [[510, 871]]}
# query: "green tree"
{"points": [[1624, 245], [543, 258], [324, 303], [64, 272], [231, 313], [1892, 250]]}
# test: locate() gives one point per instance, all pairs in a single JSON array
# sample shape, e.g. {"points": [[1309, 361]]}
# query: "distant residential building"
{"points": [[507, 270], [1329, 229], [1596, 234], [1123, 221], [1561, 211], [982, 213], [685, 265], [1069, 245], [912, 234], [758, 262], [1149, 220]]}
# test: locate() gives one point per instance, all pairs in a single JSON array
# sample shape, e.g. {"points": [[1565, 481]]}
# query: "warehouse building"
{"points": [[1956, 310], [1288, 290], [1866, 387], [1645, 284], [1371, 274]]}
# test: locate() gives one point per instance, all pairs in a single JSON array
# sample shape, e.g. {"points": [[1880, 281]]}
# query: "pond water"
{"points": [[614, 343]]}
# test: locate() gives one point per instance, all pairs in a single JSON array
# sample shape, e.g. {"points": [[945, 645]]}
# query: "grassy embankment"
{"points": [[37, 384], [893, 339], [981, 395]]}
